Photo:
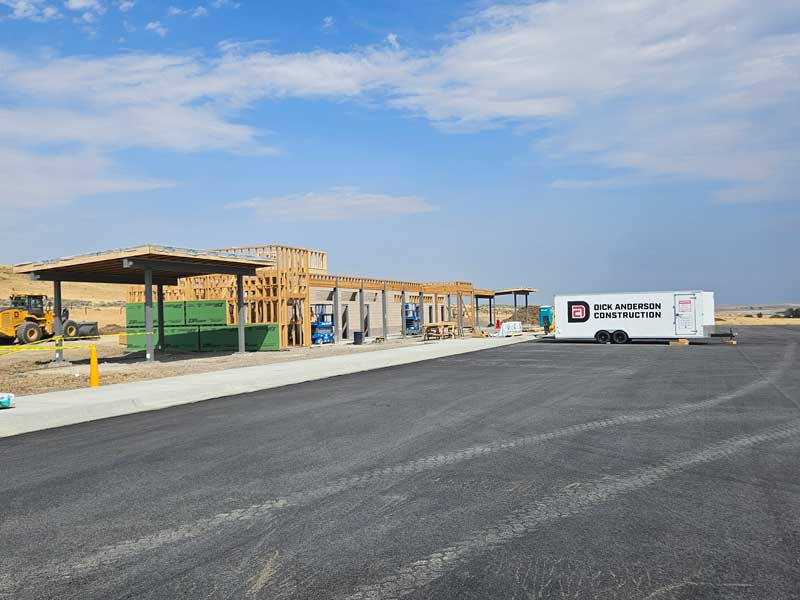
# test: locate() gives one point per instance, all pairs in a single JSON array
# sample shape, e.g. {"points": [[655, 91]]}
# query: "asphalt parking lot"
{"points": [[539, 470]]}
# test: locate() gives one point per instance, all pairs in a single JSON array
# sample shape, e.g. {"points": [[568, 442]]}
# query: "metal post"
{"points": [[460, 308], [337, 322], [515, 306], [361, 312], [162, 343], [421, 312], [58, 328], [242, 312], [384, 308], [491, 312], [526, 308], [449, 310], [475, 316], [403, 313], [148, 314]]}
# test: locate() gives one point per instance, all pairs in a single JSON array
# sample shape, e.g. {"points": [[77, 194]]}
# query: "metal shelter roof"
{"points": [[520, 291], [127, 265], [505, 292]]}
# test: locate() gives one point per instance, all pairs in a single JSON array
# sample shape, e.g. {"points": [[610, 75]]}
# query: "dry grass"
{"points": [[727, 318]]}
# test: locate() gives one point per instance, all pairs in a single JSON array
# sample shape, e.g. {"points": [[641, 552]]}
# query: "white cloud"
{"points": [[589, 184], [392, 39], [327, 22], [157, 27], [33, 10], [664, 89], [126, 5], [197, 11], [36, 180], [699, 90], [336, 204], [84, 5]]}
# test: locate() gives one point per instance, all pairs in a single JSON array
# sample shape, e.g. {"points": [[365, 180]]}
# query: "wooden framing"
{"points": [[281, 293], [277, 294]]}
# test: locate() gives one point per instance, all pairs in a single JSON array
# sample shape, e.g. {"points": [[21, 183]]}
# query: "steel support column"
{"points": [[449, 309], [460, 309], [515, 306], [162, 343], [241, 311], [58, 328], [384, 308], [526, 308], [403, 313], [337, 321], [148, 314], [362, 312]]}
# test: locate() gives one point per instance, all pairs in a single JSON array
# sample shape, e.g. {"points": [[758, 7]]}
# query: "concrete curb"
{"points": [[57, 409]]}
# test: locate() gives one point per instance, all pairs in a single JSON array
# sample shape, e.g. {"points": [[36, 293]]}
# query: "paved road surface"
{"points": [[534, 471]]}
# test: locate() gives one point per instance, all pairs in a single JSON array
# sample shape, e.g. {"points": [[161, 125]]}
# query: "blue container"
{"points": [[545, 312]]}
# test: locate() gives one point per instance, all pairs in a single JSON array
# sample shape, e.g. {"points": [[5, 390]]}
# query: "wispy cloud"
{"points": [[328, 22], [157, 27], [197, 11], [36, 180], [82, 5], [336, 204], [590, 184], [32, 10], [683, 89]]}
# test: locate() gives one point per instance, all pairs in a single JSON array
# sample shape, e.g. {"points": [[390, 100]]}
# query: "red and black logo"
{"points": [[577, 312]]}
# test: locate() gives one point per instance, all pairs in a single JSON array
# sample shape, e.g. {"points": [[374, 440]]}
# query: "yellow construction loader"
{"points": [[27, 320]]}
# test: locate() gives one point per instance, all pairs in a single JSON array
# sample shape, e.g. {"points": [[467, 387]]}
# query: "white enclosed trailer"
{"points": [[619, 318]]}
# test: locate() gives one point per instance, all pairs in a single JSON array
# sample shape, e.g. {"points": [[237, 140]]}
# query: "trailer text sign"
{"points": [[578, 311], [630, 310]]}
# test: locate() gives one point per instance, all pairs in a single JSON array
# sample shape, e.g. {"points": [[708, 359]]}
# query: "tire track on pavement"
{"points": [[565, 504], [111, 554]]}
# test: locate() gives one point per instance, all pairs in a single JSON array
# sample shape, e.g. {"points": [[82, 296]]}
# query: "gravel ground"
{"points": [[25, 373]]}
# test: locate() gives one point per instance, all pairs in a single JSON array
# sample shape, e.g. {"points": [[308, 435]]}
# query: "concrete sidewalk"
{"points": [[57, 409]]}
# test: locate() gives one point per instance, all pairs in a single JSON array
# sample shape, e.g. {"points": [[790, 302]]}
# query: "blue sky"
{"points": [[571, 145]]}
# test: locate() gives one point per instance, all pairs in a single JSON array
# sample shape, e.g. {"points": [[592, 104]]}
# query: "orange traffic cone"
{"points": [[94, 369]]}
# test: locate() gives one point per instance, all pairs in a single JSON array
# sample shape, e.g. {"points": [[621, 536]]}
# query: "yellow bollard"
{"points": [[94, 369]]}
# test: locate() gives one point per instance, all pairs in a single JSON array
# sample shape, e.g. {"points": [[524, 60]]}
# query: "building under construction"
{"points": [[296, 290]]}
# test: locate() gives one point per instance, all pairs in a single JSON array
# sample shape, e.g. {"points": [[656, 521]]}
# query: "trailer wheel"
{"points": [[602, 337], [620, 337], [29, 332]]}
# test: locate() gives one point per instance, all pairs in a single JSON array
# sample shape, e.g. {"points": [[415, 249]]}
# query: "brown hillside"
{"points": [[99, 302]]}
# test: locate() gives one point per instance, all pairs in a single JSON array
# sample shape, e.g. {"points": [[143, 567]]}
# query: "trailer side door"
{"points": [[685, 314]]}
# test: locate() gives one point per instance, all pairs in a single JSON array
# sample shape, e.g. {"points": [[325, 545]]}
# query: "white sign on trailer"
{"points": [[637, 315]]}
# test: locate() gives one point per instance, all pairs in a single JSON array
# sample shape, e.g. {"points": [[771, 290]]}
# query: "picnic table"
{"points": [[439, 331]]}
